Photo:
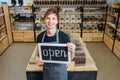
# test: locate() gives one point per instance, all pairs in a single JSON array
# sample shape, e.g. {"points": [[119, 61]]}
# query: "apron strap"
{"points": [[57, 36]]}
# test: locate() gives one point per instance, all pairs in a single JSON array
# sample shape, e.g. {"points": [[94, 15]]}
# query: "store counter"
{"points": [[87, 71]]}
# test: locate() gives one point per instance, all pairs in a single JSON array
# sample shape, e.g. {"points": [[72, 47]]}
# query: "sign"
{"points": [[54, 53]]}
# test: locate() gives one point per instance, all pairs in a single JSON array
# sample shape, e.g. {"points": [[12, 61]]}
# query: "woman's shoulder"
{"points": [[62, 33], [64, 37], [41, 34], [39, 37]]}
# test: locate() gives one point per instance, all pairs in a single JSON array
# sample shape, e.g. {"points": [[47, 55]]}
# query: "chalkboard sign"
{"points": [[54, 53]]}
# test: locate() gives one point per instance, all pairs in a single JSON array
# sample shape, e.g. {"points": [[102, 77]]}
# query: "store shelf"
{"points": [[4, 32], [118, 30], [38, 22], [39, 12], [108, 41], [111, 25], [1, 14], [116, 49], [22, 22], [23, 36], [95, 13], [45, 5], [3, 44], [71, 12], [2, 27], [20, 12], [114, 6], [20, 6], [92, 22], [3, 38], [110, 36]]}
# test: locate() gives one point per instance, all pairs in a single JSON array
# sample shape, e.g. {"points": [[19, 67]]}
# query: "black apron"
{"points": [[54, 71]]}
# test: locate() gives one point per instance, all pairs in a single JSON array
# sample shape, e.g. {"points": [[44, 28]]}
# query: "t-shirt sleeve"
{"points": [[67, 39], [64, 38], [39, 37]]}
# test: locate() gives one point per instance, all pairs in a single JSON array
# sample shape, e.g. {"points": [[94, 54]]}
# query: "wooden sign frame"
{"points": [[55, 49]]}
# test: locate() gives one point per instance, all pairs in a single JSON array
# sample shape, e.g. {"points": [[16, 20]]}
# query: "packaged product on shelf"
{"points": [[72, 18]]}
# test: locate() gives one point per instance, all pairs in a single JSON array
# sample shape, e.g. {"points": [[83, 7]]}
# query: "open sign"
{"points": [[54, 53]]}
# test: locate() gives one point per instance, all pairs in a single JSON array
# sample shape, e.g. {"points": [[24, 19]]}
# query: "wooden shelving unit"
{"points": [[68, 17], [112, 30], [93, 23], [116, 47], [3, 33], [22, 23]]}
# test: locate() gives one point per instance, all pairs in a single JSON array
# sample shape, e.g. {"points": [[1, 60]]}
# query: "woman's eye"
{"points": [[47, 18], [53, 18]]}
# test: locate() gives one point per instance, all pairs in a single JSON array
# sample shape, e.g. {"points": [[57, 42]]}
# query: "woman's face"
{"points": [[51, 21]]}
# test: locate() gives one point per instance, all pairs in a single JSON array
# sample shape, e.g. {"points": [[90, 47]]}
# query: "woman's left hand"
{"points": [[71, 48]]}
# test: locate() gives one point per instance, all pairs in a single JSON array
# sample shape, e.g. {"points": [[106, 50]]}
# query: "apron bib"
{"points": [[54, 71]]}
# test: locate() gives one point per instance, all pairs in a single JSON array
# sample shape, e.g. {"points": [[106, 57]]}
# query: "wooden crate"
{"points": [[29, 36], [18, 36], [108, 41], [87, 37], [3, 45], [97, 36], [23, 36], [117, 49]]}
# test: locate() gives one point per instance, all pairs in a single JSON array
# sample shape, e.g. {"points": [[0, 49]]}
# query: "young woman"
{"points": [[54, 71]]}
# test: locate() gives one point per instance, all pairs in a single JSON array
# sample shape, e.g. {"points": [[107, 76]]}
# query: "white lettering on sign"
{"points": [[54, 53]]}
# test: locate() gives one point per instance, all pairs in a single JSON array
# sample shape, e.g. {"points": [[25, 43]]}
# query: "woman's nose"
{"points": [[50, 20]]}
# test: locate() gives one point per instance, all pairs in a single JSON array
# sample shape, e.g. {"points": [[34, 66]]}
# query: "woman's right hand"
{"points": [[38, 61]]}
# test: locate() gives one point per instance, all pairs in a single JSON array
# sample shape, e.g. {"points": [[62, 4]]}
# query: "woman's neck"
{"points": [[51, 32]]}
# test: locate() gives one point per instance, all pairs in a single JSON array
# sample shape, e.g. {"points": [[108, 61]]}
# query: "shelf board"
{"points": [[118, 30], [113, 15], [45, 5], [20, 12], [94, 12], [68, 23], [3, 37], [1, 14], [70, 5], [3, 26], [93, 32], [109, 35], [38, 22], [70, 12], [111, 24], [93, 22], [94, 6], [23, 31], [39, 12], [17, 5], [22, 22], [114, 6], [117, 42], [60, 12]]}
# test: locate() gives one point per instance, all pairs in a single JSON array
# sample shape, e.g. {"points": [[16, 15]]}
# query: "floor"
{"points": [[107, 63], [14, 60]]}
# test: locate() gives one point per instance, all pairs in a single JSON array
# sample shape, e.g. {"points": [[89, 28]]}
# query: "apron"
{"points": [[54, 71]]}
